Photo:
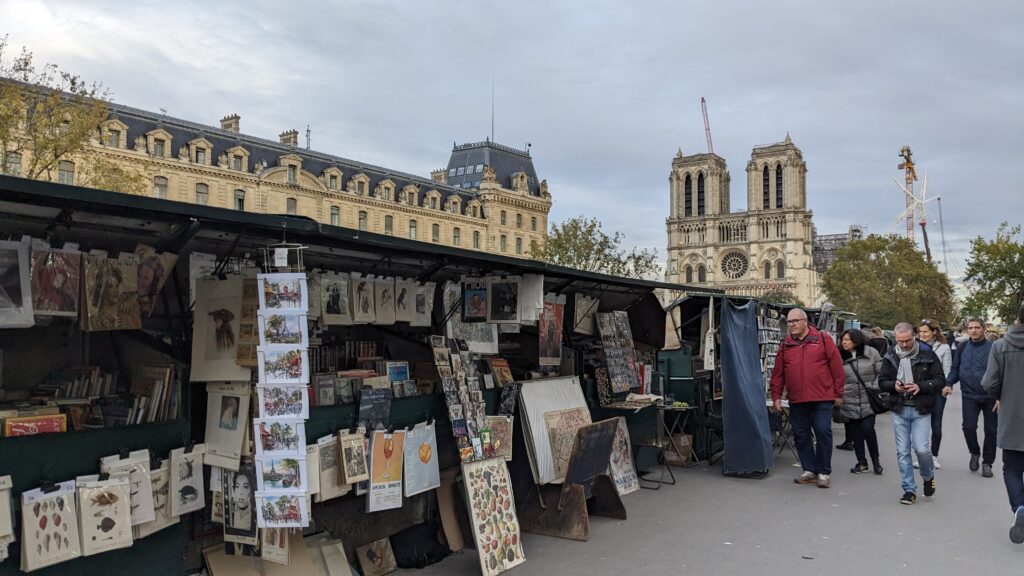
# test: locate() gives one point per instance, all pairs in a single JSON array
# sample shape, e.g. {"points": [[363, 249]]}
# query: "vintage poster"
{"points": [[562, 426], [283, 292], [280, 474], [621, 467], [187, 488], [56, 282], [363, 299], [405, 300], [374, 408], [503, 300], [492, 511], [501, 435], [474, 299], [248, 324], [423, 305], [105, 511], [384, 298], [329, 466], [282, 364], [282, 510], [239, 488], [15, 286], [284, 328], [215, 331], [386, 459], [111, 293], [335, 293], [227, 415], [353, 458], [136, 465], [480, 337], [160, 484], [280, 401], [377, 558], [421, 469], [500, 371], [279, 437], [49, 527], [550, 330], [154, 270]]}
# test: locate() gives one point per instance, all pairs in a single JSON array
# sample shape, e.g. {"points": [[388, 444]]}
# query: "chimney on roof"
{"points": [[440, 176], [231, 123], [290, 138]]}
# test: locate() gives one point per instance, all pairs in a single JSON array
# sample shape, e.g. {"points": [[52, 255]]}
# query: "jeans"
{"points": [[971, 409], [913, 431], [937, 410], [1013, 477], [815, 451], [863, 431]]}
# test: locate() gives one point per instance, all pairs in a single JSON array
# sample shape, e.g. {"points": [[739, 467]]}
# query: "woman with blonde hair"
{"points": [[929, 332]]}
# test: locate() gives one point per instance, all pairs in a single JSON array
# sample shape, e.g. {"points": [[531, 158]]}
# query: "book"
{"points": [[31, 425]]}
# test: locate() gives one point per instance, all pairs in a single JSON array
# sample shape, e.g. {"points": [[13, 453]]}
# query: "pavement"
{"points": [[711, 524]]}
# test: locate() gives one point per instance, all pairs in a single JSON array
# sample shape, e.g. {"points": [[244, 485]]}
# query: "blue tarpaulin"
{"points": [[748, 443]]}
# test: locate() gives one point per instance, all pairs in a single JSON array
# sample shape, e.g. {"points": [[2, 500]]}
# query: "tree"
{"points": [[580, 243], [886, 280], [996, 270], [779, 295]]}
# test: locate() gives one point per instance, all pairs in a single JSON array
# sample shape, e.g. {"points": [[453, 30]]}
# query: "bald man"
{"points": [[809, 370]]}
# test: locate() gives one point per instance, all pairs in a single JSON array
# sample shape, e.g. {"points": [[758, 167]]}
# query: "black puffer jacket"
{"points": [[928, 375]]}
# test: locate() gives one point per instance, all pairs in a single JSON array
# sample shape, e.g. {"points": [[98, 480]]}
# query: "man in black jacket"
{"points": [[913, 374]]}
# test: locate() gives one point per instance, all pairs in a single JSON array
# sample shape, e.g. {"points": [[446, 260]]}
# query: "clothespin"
{"points": [[123, 453], [155, 462], [189, 446], [48, 487], [104, 476]]}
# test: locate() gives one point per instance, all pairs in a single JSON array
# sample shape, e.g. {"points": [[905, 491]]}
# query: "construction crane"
{"points": [[915, 203], [911, 175], [707, 125]]}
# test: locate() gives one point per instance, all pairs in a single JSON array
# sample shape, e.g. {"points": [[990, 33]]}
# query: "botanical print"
{"points": [[550, 330], [282, 511], [227, 415], [56, 277], [273, 474], [280, 328], [215, 329], [187, 492], [283, 401], [421, 469], [283, 365], [336, 293], [279, 437], [503, 300], [353, 458], [283, 292], [154, 270], [363, 299], [492, 512], [562, 426], [501, 435], [137, 466], [160, 484], [105, 515], [49, 527], [240, 505], [474, 300], [15, 286], [481, 337], [622, 469], [386, 460], [384, 301], [377, 558], [111, 293]]}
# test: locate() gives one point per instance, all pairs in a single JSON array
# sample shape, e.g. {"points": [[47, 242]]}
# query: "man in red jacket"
{"points": [[809, 369]]}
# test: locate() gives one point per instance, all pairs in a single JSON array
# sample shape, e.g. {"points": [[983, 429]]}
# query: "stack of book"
{"points": [[155, 395], [86, 382]]}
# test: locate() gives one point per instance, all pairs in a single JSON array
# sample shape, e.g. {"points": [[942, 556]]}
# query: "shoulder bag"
{"points": [[880, 401]]}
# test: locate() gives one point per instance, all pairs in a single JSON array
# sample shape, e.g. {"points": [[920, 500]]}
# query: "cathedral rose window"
{"points": [[734, 265]]}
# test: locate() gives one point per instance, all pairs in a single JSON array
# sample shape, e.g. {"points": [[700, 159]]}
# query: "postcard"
{"points": [[279, 437], [281, 364], [281, 474], [282, 510], [286, 291], [281, 327], [282, 401]]}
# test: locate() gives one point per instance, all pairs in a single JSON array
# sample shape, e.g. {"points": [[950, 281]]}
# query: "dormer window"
{"points": [[433, 202], [451, 172], [236, 162], [200, 155], [332, 182], [113, 138], [361, 187], [461, 171], [159, 147], [293, 175]]}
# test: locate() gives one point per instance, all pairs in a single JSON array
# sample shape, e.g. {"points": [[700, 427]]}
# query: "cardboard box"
{"points": [[685, 443]]}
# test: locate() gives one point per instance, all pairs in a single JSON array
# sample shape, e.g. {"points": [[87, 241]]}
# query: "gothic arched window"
{"points": [[767, 270], [700, 194], [688, 196], [702, 274], [689, 274], [778, 185], [766, 194], [780, 269]]}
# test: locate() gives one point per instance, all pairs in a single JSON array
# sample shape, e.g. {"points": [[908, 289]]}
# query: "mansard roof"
{"points": [[505, 161]]}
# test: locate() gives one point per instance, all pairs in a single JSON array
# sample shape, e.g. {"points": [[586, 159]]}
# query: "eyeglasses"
{"points": [[797, 321]]}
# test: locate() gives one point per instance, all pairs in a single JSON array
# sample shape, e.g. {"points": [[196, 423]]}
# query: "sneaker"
{"points": [[824, 481], [935, 461], [929, 487], [848, 445], [1017, 530], [974, 463], [878, 469], [908, 498], [806, 478], [986, 470], [861, 467]]}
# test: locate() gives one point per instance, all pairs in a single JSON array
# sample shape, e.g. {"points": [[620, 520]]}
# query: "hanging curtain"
{"points": [[748, 444]]}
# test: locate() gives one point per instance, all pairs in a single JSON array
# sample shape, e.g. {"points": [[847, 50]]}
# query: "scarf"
{"points": [[905, 374]]}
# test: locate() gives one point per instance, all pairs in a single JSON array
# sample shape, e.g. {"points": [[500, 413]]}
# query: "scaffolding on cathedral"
{"points": [[826, 246]]}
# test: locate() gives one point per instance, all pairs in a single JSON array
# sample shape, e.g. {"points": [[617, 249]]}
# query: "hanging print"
{"points": [[283, 292], [280, 364], [335, 294], [49, 527], [187, 491], [503, 300], [104, 509], [363, 299], [56, 277]]}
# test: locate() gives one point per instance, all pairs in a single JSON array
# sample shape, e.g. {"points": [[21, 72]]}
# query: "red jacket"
{"points": [[809, 370]]}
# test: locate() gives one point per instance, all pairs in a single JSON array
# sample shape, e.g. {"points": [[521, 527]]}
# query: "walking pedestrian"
{"points": [[912, 371], [809, 370], [861, 364], [969, 364], [929, 333], [1004, 381]]}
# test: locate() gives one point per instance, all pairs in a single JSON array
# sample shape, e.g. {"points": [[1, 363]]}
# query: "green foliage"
{"points": [[780, 296], [580, 243], [98, 172], [886, 280], [996, 273]]}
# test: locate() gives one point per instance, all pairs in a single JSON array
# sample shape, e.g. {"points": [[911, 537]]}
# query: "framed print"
{"points": [[187, 487], [281, 474], [282, 328], [280, 364], [285, 291], [227, 413], [336, 298], [56, 282], [282, 510], [398, 371], [474, 300], [279, 437], [215, 329], [49, 527], [503, 300], [15, 286], [239, 505], [278, 401]]}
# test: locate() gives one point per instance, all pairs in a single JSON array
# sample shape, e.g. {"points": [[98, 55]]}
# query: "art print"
{"points": [[56, 282], [154, 270], [111, 293], [217, 505], [550, 330], [377, 558], [280, 328], [136, 465], [314, 284], [537, 398], [279, 437], [480, 337], [105, 513], [501, 435], [49, 527], [282, 511], [6, 515], [283, 401], [283, 365], [621, 466], [399, 389], [286, 291], [421, 468], [503, 300], [441, 357], [474, 300], [585, 309], [248, 323], [398, 371], [187, 491], [15, 286], [160, 484], [353, 458], [240, 506], [227, 415], [274, 545], [405, 300], [424, 305], [562, 426], [330, 468], [384, 297], [281, 474], [215, 329], [336, 293], [492, 512], [386, 464], [363, 298]]}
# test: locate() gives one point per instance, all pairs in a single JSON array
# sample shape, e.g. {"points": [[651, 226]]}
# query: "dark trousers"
{"points": [[940, 407], [812, 434], [848, 429], [972, 408], [863, 431], [1013, 476]]}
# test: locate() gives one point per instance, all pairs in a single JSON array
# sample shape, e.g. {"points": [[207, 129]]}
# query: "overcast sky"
{"points": [[605, 91]]}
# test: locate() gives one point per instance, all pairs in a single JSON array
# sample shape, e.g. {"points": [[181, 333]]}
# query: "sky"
{"points": [[605, 92]]}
